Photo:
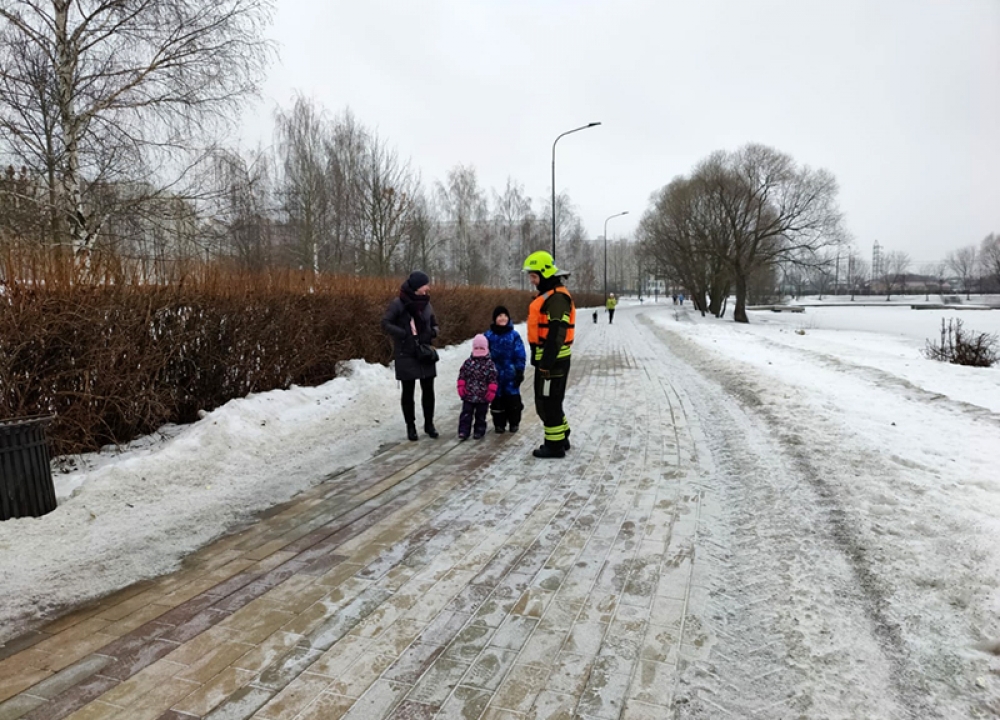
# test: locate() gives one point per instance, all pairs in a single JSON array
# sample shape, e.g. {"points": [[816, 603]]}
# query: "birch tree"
{"points": [[386, 195], [107, 91], [303, 136]]}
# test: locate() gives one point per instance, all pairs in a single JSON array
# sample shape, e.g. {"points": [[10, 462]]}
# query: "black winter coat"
{"points": [[396, 323]]}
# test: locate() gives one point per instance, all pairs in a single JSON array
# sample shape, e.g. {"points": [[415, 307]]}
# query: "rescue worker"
{"points": [[551, 323], [610, 305]]}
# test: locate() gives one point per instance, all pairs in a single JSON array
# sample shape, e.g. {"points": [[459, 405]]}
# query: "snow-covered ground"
{"points": [[901, 453], [900, 450], [134, 513]]}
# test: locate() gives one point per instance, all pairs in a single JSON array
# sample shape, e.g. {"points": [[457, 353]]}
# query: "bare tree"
{"points": [[465, 220], [385, 199], [96, 89], [772, 210], [857, 272], [511, 209], [345, 165], [683, 235], [933, 273], [962, 263], [240, 226], [20, 197], [423, 238], [894, 268], [821, 274], [989, 256], [30, 124], [305, 186]]}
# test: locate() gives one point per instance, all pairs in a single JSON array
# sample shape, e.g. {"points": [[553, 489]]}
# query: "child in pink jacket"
{"points": [[477, 386]]}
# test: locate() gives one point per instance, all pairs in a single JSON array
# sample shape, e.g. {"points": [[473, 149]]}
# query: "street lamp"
{"points": [[582, 127], [624, 212]]}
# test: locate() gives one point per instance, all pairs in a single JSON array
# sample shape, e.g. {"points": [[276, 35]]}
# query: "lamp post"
{"points": [[582, 127], [624, 212]]}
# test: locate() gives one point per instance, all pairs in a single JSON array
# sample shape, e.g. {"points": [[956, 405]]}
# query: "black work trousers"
{"points": [[506, 410], [549, 394], [426, 400]]}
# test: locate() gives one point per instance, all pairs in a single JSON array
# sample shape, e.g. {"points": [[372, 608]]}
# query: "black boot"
{"points": [[430, 429], [549, 450], [411, 431]]}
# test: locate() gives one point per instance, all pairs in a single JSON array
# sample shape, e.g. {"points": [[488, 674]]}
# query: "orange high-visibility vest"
{"points": [[538, 320]]}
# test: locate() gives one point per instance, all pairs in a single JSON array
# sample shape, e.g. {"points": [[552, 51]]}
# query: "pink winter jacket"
{"points": [[477, 380]]}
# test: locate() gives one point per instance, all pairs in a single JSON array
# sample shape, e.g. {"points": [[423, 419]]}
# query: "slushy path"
{"points": [[683, 561]]}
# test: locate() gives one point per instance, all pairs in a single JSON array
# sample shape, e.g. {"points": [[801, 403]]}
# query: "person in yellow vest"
{"points": [[609, 305], [551, 324]]}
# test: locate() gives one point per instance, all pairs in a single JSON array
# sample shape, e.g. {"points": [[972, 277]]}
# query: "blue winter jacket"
{"points": [[507, 352]]}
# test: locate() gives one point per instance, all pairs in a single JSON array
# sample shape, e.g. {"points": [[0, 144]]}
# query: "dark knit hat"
{"points": [[500, 310], [417, 280]]}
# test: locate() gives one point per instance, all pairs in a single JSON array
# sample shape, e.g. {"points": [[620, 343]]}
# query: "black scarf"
{"points": [[415, 305], [546, 284], [501, 329]]}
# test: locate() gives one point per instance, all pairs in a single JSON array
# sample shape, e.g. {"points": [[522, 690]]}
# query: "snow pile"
{"points": [[130, 515]]}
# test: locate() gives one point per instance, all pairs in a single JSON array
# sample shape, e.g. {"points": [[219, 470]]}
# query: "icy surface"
{"points": [[849, 553]]}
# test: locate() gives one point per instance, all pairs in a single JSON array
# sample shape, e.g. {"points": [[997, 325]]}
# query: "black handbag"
{"points": [[426, 353]]}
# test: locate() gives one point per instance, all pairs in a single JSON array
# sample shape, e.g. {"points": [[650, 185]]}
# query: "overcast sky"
{"points": [[900, 99]]}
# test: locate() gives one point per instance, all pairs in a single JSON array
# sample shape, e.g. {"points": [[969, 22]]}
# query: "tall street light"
{"points": [[582, 127], [624, 212]]}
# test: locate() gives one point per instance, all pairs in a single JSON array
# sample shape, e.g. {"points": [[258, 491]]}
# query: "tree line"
{"points": [[735, 221], [111, 120], [755, 225]]}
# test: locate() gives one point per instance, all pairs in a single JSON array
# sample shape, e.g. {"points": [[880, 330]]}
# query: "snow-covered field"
{"points": [[901, 453], [901, 448]]}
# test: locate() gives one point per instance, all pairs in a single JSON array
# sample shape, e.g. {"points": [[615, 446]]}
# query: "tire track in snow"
{"points": [[799, 616]]}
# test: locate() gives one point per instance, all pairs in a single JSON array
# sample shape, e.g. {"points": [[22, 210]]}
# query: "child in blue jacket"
{"points": [[507, 352]]}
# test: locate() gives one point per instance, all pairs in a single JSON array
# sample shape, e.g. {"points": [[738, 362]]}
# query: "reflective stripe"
{"points": [[564, 352], [556, 432]]}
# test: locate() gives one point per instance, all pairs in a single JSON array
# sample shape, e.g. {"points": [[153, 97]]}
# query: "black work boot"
{"points": [[430, 429], [550, 450], [411, 431]]}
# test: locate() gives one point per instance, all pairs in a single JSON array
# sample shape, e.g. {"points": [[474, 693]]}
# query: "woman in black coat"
{"points": [[410, 321]]}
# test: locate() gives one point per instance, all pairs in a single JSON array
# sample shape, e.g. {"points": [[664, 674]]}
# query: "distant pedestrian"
{"points": [[610, 304], [410, 321], [507, 353], [477, 386]]}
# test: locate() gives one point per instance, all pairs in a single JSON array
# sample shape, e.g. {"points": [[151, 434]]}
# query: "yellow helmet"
{"points": [[542, 263]]}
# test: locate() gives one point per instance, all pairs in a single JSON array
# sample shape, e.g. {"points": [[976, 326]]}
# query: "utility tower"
{"points": [[877, 260]]}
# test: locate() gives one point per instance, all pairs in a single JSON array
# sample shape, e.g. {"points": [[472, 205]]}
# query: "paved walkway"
{"points": [[439, 580]]}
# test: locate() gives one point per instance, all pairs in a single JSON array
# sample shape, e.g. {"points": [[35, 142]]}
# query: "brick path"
{"points": [[440, 579]]}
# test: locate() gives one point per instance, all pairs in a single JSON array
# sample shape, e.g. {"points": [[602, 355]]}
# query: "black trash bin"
{"points": [[26, 488]]}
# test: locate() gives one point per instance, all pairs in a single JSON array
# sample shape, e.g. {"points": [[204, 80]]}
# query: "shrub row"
{"points": [[113, 362]]}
